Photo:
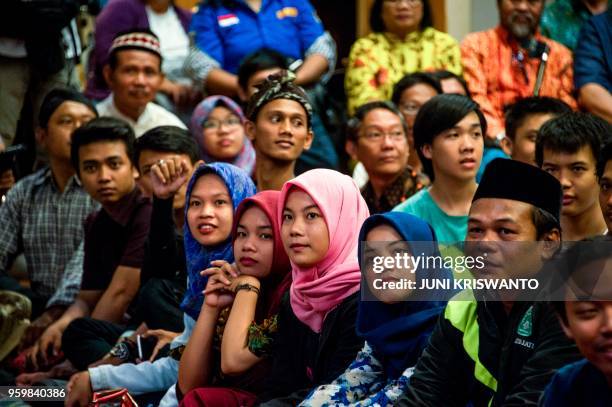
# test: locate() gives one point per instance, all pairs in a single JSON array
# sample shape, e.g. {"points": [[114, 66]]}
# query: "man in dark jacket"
{"points": [[499, 352]]}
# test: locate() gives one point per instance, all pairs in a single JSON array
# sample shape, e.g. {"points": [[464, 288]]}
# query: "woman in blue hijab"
{"points": [[396, 328]]}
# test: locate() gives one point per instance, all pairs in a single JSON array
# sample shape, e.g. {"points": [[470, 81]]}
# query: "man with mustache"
{"points": [[513, 61], [494, 350], [134, 76]]}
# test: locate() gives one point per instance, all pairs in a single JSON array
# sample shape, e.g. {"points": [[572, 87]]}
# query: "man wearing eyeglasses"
{"points": [[513, 61], [134, 76], [377, 137]]}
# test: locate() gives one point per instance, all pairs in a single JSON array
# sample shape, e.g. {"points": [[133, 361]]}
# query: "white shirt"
{"points": [[153, 116], [173, 41]]}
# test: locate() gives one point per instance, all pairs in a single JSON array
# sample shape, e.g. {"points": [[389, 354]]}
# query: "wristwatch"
{"points": [[121, 351]]}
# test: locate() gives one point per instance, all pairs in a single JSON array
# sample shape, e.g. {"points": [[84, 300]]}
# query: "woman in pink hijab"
{"points": [[321, 213]]}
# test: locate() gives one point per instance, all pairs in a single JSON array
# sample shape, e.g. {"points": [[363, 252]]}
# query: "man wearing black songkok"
{"points": [[493, 353], [42, 216]]}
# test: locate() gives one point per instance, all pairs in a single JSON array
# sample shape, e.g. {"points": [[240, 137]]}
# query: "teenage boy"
{"points": [[279, 126], [377, 137], [42, 216], [604, 175], [134, 77], [448, 135], [253, 70], [166, 157], [523, 120], [568, 147], [587, 320], [499, 352], [102, 154]]}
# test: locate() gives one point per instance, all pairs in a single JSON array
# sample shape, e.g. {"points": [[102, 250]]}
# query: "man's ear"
{"points": [[107, 72], [507, 145], [249, 128], [41, 137], [309, 139], [565, 328], [426, 150], [351, 149], [242, 94], [551, 243]]}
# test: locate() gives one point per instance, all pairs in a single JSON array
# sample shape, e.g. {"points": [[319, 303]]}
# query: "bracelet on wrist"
{"points": [[247, 287]]}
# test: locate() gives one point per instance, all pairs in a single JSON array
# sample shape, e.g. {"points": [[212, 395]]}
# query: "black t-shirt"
{"points": [[115, 239]]}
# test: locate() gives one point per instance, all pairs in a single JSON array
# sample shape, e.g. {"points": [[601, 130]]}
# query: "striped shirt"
{"points": [[47, 227]]}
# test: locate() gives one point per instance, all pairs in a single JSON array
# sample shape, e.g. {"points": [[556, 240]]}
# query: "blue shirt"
{"points": [[577, 384], [229, 34], [593, 53]]}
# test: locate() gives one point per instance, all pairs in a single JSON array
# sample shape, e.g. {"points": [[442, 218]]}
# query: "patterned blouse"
{"points": [[379, 60], [363, 383]]}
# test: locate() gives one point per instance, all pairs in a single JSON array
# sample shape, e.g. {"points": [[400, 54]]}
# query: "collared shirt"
{"points": [[408, 183], [378, 61], [153, 116], [115, 238], [563, 19], [593, 54], [47, 226], [229, 32], [498, 74]]}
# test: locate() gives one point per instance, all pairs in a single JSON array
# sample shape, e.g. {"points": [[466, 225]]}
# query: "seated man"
{"points": [[449, 137], [568, 147], [523, 120], [102, 154], [563, 19], [593, 66], [134, 75], [280, 127], [50, 239], [513, 61], [166, 156], [253, 70], [499, 352], [586, 320], [377, 137]]}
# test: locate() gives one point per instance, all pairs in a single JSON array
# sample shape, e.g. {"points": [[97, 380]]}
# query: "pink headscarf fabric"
{"points": [[317, 290]]}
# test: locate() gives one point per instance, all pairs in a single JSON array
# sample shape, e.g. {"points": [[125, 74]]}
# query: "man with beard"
{"points": [[134, 76], [513, 61], [494, 350]]}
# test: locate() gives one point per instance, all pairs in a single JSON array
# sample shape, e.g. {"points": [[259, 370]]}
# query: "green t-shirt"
{"points": [[449, 229]]}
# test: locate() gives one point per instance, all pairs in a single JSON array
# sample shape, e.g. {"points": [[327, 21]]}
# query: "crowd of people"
{"points": [[199, 224]]}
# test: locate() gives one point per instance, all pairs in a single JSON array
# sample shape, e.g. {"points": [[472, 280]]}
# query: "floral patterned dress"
{"points": [[364, 383]]}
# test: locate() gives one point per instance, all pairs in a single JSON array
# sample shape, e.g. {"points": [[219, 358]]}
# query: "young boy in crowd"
{"points": [[523, 120], [102, 155], [50, 239], [280, 127], [253, 70], [486, 352], [604, 175], [448, 135], [587, 320], [568, 147]]}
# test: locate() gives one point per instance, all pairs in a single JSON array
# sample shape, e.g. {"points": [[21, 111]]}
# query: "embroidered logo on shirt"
{"points": [[524, 328], [287, 12], [228, 19]]}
